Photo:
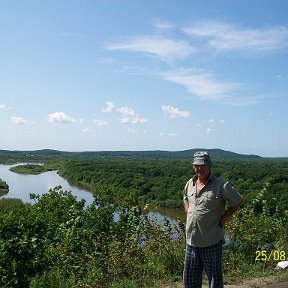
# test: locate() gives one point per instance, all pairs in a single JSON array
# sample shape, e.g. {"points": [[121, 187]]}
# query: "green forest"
{"points": [[116, 243], [161, 181], [4, 188]]}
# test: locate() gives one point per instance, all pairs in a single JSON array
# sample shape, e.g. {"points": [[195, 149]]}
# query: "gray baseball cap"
{"points": [[202, 158]]}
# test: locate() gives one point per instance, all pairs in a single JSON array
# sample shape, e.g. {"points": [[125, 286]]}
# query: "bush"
{"points": [[58, 243]]}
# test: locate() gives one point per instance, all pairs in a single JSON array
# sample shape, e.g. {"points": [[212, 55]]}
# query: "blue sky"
{"points": [[94, 75]]}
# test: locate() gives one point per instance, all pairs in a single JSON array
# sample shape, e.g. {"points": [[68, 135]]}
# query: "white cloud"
{"points": [[71, 34], [166, 49], [3, 106], [214, 121], [208, 131], [129, 116], [125, 111], [223, 36], [138, 120], [163, 25], [174, 112], [100, 122], [60, 117], [18, 120], [201, 83], [170, 134], [131, 131], [105, 60], [87, 130], [133, 120], [109, 107]]}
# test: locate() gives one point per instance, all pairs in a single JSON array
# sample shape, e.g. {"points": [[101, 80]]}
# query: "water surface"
{"points": [[21, 185]]}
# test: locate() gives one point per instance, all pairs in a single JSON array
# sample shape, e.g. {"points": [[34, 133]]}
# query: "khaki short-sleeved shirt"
{"points": [[205, 210]]}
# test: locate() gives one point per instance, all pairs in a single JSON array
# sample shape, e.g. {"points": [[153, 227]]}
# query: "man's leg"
{"points": [[193, 268], [212, 262]]}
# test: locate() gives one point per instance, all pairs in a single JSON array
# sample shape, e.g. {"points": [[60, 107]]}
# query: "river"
{"points": [[21, 185]]}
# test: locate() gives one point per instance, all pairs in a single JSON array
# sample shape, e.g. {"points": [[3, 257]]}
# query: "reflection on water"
{"points": [[21, 185], [173, 213]]}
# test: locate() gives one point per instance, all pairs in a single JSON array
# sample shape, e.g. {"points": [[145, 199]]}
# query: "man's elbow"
{"points": [[239, 204]]}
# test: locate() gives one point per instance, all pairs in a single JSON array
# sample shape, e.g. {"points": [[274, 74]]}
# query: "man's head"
{"points": [[202, 165], [202, 158]]}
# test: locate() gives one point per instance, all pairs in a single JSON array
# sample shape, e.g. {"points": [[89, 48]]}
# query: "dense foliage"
{"points": [[4, 188], [57, 241], [113, 243], [161, 181]]}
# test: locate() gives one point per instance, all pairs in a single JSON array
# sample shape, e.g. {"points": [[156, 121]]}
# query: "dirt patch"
{"points": [[260, 282]]}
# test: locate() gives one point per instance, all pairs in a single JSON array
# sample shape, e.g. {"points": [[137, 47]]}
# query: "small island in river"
{"points": [[29, 169]]}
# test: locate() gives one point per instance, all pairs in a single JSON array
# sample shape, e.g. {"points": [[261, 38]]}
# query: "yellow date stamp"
{"points": [[273, 255]]}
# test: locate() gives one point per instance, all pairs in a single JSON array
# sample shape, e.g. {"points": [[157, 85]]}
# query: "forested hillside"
{"points": [[161, 181], [58, 243], [114, 243], [48, 154]]}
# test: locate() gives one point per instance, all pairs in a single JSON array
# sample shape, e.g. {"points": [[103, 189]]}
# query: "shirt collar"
{"points": [[195, 177]]}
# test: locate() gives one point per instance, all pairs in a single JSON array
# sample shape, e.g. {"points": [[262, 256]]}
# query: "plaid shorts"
{"points": [[208, 259]]}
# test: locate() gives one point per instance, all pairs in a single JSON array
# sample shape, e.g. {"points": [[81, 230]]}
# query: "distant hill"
{"points": [[185, 154]]}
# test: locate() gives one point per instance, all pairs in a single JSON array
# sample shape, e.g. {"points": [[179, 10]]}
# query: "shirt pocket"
{"points": [[211, 201], [190, 192]]}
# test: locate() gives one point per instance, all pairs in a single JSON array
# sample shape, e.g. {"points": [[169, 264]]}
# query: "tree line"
{"points": [[116, 243], [161, 181]]}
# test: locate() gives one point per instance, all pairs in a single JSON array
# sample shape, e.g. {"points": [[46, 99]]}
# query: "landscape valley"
{"points": [[58, 241]]}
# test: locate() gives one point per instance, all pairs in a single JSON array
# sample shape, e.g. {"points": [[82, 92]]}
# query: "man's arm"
{"points": [[229, 213], [186, 206]]}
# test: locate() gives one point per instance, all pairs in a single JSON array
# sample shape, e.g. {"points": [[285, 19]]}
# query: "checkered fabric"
{"points": [[208, 259]]}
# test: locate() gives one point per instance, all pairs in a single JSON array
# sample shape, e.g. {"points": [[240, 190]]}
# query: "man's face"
{"points": [[202, 171]]}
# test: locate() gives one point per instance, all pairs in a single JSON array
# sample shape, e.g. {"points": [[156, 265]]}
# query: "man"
{"points": [[205, 199]]}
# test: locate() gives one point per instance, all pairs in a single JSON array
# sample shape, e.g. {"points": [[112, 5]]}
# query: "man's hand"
{"points": [[186, 206], [228, 214]]}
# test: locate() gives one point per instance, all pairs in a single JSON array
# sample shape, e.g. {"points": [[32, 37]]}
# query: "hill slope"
{"points": [[48, 153]]}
